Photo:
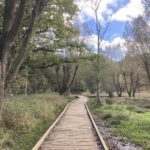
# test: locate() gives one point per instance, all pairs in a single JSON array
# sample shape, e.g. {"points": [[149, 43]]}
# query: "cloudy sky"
{"points": [[120, 12]]}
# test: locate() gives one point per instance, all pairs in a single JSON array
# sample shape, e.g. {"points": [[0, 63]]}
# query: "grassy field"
{"points": [[128, 117], [27, 118]]}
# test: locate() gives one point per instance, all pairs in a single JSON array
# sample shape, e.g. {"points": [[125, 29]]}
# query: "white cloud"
{"points": [[127, 12], [87, 13], [90, 40], [132, 10], [116, 42]]}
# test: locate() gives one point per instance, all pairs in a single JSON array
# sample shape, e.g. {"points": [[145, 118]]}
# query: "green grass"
{"points": [[27, 118], [129, 118]]}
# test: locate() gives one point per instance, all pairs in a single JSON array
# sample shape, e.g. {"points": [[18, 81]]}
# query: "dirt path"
{"points": [[74, 132]]}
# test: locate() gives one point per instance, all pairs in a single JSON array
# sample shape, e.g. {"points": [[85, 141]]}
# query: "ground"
{"points": [[125, 120]]}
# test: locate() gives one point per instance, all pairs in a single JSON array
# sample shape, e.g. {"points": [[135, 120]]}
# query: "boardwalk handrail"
{"points": [[96, 128], [42, 139]]}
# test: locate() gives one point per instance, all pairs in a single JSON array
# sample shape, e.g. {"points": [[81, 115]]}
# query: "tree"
{"points": [[137, 41], [117, 78], [14, 15], [107, 80], [115, 68], [67, 69], [66, 77], [18, 22], [131, 75], [100, 32]]}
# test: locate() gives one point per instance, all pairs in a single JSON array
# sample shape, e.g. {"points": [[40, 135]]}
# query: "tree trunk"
{"points": [[129, 90], [98, 93], [1, 97], [26, 82], [117, 85], [69, 74], [147, 69], [110, 93], [135, 85]]}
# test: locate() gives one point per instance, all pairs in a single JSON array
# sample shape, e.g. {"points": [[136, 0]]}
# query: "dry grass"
{"points": [[27, 117]]}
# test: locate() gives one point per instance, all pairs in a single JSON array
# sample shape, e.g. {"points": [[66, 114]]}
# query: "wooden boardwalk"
{"points": [[74, 132]]}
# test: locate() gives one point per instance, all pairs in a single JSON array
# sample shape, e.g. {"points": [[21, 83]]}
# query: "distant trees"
{"points": [[131, 75], [137, 37]]}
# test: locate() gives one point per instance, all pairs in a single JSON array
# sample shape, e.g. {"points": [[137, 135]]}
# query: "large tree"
{"points": [[14, 14]]}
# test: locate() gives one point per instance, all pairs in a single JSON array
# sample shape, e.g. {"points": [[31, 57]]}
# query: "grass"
{"points": [[27, 118], [128, 118]]}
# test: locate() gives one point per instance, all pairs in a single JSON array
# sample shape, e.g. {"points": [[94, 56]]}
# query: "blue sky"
{"points": [[120, 11]]}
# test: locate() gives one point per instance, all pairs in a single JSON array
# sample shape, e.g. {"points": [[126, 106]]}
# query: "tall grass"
{"points": [[27, 117]]}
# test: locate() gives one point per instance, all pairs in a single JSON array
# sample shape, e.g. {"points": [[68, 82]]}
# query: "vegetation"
{"points": [[42, 50], [27, 118], [128, 118]]}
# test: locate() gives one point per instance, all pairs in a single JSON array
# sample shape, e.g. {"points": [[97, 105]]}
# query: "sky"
{"points": [[120, 11]]}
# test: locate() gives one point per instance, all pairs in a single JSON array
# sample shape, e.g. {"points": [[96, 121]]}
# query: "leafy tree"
{"points": [[20, 20], [13, 44]]}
